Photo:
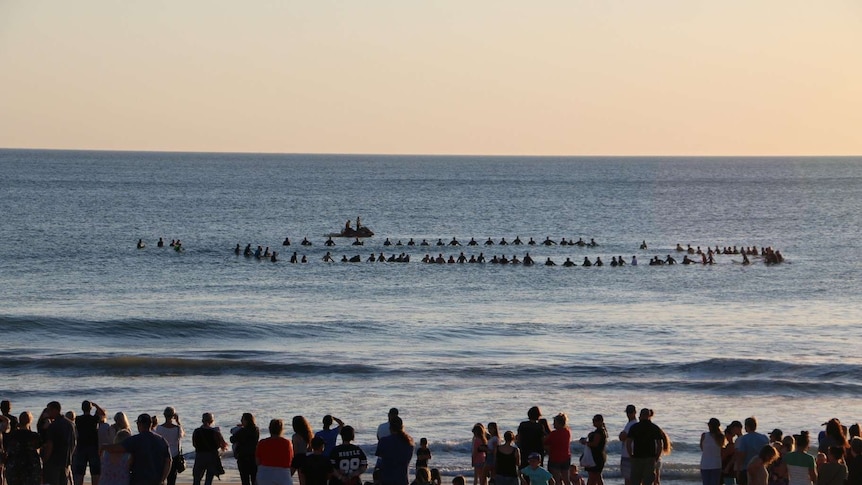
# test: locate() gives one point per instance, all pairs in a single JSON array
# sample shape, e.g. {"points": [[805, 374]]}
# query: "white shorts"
{"points": [[273, 475]]}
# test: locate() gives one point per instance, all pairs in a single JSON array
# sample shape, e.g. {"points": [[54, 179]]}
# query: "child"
{"points": [[459, 480], [436, 479], [423, 454], [317, 467], [423, 477], [575, 477], [534, 473]]}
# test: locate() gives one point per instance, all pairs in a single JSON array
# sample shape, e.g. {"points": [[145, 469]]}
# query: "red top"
{"points": [[558, 444], [275, 451]]}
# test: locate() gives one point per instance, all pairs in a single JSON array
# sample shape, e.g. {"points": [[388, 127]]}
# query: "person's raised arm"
{"points": [[339, 422]]}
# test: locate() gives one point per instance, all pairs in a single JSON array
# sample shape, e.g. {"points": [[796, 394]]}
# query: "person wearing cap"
{"points": [[151, 456], [207, 441], [711, 444], [625, 459], [534, 474], [728, 453], [776, 436], [747, 447]]}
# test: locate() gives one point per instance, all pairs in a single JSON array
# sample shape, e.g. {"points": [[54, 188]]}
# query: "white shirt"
{"points": [[172, 436], [625, 453]]}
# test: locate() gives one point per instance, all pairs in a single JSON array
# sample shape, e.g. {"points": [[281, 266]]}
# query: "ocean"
{"points": [[86, 315]]}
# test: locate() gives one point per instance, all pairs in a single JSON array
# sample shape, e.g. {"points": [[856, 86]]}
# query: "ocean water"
{"points": [[86, 315]]}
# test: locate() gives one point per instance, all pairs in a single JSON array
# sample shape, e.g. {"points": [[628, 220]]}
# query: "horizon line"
{"points": [[116, 150]]}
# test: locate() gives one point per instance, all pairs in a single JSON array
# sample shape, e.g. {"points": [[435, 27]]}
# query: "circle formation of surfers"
{"points": [[691, 255]]}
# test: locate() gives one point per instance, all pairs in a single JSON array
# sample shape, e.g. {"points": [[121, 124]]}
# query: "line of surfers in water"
{"points": [[707, 257], [454, 242], [769, 255]]}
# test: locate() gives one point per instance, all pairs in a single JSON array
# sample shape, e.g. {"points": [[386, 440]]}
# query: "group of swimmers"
{"points": [[261, 253], [769, 255], [692, 255], [490, 242], [526, 260], [176, 244], [454, 242]]}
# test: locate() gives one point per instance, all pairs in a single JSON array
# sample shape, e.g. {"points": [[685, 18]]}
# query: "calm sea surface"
{"points": [[86, 315]]}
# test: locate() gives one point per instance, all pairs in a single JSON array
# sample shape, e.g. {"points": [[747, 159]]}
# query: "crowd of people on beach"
{"points": [[64, 445]]}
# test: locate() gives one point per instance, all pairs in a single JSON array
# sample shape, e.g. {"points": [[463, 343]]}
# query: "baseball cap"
{"points": [[534, 455]]}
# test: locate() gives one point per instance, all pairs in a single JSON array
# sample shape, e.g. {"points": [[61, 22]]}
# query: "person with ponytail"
{"points": [[711, 444], [801, 466], [597, 441], [395, 452]]}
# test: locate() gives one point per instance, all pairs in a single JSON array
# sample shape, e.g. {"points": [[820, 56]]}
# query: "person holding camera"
{"points": [[172, 432], [208, 443]]}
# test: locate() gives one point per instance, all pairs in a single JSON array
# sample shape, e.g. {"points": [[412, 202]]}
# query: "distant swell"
{"points": [[750, 376], [736, 386], [138, 365], [725, 369], [127, 329]]}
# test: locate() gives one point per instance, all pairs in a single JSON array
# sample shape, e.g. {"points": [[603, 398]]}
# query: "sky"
{"points": [[472, 77]]}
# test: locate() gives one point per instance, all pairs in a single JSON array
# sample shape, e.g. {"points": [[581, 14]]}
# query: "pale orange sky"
{"points": [[573, 77]]}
